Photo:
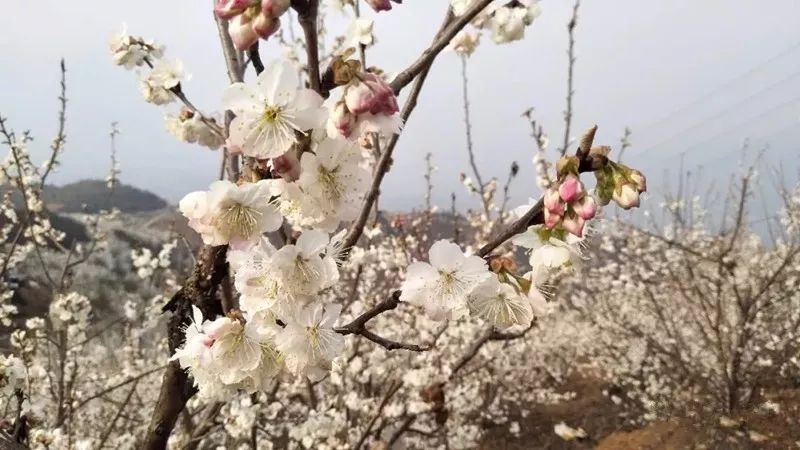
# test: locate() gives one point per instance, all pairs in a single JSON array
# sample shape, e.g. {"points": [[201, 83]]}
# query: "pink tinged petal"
{"points": [[552, 202], [570, 189], [573, 224], [227, 9], [241, 32], [586, 207], [274, 8], [359, 98], [265, 25], [287, 166], [343, 120], [233, 149], [380, 5], [551, 219]]}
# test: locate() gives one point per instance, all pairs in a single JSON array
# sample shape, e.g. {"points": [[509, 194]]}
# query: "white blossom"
{"points": [[442, 286], [270, 112], [309, 341]]}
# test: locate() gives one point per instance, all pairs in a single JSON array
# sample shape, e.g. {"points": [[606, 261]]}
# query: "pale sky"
{"points": [[687, 76]]}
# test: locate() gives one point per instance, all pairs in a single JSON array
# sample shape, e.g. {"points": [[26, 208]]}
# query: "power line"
{"points": [[726, 85], [736, 126], [719, 113]]}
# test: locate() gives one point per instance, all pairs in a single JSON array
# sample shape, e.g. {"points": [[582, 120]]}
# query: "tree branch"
{"points": [[450, 28], [358, 326]]}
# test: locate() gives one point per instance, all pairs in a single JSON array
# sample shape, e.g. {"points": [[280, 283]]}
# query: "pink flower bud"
{"points": [[242, 33], [371, 94], [570, 189], [552, 202], [227, 9], [265, 26], [384, 101], [638, 180], [573, 223], [342, 119], [380, 5], [551, 219], [586, 207], [274, 8], [359, 97], [626, 196], [287, 166]]}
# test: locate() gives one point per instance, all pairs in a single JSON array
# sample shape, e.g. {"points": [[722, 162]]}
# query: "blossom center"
{"points": [[329, 180], [238, 220], [271, 114]]}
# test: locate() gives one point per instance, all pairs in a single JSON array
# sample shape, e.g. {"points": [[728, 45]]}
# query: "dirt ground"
{"points": [[762, 428]]}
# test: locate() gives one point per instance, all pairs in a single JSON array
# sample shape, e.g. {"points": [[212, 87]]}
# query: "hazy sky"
{"points": [[688, 76]]}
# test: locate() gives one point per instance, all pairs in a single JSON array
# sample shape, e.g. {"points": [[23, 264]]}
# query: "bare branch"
{"points": [[450, 28], [570, 67]]}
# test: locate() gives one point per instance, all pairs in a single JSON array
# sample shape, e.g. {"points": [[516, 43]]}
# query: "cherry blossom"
{"points": [[501, 304], [232, 214], [309, 341], [442, 286], [271, 112]]}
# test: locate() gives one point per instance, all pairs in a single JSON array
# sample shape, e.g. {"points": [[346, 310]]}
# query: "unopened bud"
{"points": [[638, 180], [241, 31], [586, 207], [227, 9], [573, 223], [274, 8], [570, 188], [626, 196]]}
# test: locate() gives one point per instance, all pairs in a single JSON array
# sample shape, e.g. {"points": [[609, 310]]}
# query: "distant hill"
{"points": [[93, 195]]}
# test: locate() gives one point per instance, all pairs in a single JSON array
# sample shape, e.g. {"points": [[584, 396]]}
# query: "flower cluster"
{"points": [[329, 187], [505, 21], [249, 20], [246, 350], [363, 103], [231, 214], [157, 87], [129, 51], [12, 374], [146, 263], [566, 203], [189, 127], [70, 313]]}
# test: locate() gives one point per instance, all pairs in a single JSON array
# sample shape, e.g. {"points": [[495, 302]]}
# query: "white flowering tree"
{"points": [[304, 323], [695, 319]]}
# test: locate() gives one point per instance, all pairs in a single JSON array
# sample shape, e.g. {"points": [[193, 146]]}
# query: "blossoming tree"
{"points": [[292, 292]]}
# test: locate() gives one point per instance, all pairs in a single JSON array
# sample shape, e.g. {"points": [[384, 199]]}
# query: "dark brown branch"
{"points": [[255, 58], [488, 336], [200, 290], [393, 388], [450, 28], [307, 16], [358, 326], [535, 216]]}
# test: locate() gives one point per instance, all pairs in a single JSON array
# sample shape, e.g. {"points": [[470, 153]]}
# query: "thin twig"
{"points": [[571, 65], [450, 29]]}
